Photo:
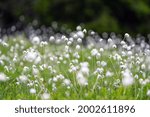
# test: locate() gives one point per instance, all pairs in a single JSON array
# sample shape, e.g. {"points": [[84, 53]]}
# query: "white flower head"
{"points": [[32, 91], [69, 43], [52, 39], [101, 49], [94, 52], [79, 40], [3, 77], [23, 79], [35, 71], [77, 47], [32, 56], [143, 66], [103, 63], [129, 53], [81, 79], [148, 93], [110, 40], [84, 68], [84, 31], [43, 43], [78, 28], [45, 96], [35, 40], [123, 43], [109, 74], [67, 82], [126, 35], [127, 78], [80, 34], [99, 70]]}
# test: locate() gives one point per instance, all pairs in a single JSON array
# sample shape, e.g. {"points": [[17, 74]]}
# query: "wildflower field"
{"points": [[68, 67]]}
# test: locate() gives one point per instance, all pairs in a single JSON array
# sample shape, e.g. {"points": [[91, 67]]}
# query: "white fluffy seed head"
{"points": [[69, 43], [148, 93], [129, 53], [81, 79], [101, 49], [32, 55], [67, 82], [114, 46], [84, 31], [103, 63], [98, 55], [79, 40], [75, 36], [122, 42], [127, 78], [126, 35], [32, 91], [94, 52], [143, 66], [109, 74], [3, 77], [80, 34], [84, 68], [78, 28], [22, 78], [98, 63], [35, 71], [45, 96], [71, 39], [109, 40], [77, 47], [52, 39], [35, 40]]}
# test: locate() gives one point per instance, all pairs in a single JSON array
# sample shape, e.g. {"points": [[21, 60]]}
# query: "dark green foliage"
{"points": [[100, 15]]}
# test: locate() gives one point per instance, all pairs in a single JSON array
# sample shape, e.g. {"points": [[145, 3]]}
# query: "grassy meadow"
{"points": [[65, 69]]}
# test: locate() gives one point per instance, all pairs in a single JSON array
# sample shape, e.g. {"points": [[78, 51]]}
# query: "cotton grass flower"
{"points": [[80, 34], [45, 96], [77, 47], [82, 74], [79, 40], [35, 71], [67, 82], [126, 35], [84, 68], [101, 49], [3, 77], [52, 39], [73, 68], [78, 28], [127, 78], [143, 66], [81, 79], [32, 56], [98, 71], [32, 91], [23, 79], [94, 52], [35, 40], [98, 63], [109, 40], [148, 93], [109, 74], [103, 63]]}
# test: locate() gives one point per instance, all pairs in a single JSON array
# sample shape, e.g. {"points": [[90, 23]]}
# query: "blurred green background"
{"points": [[119, 16]]}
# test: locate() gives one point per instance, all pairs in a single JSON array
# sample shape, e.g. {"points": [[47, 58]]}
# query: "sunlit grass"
{"points": [[50, 73]]}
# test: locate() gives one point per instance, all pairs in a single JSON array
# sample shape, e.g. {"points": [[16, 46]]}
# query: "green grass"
{"points": [[97, 89]]}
